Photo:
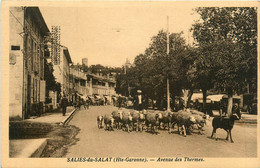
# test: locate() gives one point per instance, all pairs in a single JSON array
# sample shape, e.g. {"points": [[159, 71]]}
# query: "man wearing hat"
{"points": [[139, 100]]}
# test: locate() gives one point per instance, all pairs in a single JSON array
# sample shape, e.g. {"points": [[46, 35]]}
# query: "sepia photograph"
{"points": [[133, 83]]}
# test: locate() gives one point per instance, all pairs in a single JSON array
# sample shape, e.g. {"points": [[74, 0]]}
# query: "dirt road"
{"points": [[98, 142]]}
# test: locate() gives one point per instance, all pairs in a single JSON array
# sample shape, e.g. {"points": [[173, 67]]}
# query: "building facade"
{"points": [[80, 83], [62, 70], [26, 61], [85, 84], [103, 85]]}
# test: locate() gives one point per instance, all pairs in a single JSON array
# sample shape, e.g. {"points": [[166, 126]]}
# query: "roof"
{"points": [[67, 55], [221, 96], [101, 78], [36, 13]]}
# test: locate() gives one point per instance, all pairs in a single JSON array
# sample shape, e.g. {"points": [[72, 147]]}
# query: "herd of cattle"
{"points": [[186, 121]]}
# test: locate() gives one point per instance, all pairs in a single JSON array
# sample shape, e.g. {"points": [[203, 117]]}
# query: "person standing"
{"points": [[87, 103], [235, 109], [223, 107], [139, 100], [119, 102], [64, 104], [84, 103]]}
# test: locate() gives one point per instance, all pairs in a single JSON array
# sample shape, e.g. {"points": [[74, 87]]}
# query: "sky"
{"points": [[107, 35]]}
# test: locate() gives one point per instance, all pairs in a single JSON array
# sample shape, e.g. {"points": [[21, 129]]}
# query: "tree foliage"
{"points": [[150, 69], [51, 84], [233, 26], [227, 45], [224, 58]]}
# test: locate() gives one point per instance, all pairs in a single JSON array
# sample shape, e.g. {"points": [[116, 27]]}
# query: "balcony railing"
{"points": [[99, 86]]}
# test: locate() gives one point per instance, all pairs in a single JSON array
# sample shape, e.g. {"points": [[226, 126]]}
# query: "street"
{"points": [[95, 142], [73, 66]]}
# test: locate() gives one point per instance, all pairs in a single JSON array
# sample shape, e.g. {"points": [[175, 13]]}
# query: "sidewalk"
{"points": [[53, 118], [24, 148], [248, 118]]}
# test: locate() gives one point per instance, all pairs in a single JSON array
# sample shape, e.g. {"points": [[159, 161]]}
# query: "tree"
{"points": [[51, 83], [229, 75], [227, 41], [151, 68], [202, 72]]}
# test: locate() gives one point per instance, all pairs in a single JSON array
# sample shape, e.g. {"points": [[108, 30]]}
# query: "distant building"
{"points": [[103, 85], [26, 61], [85, 84], [127, 65], [79, 83], [85, 61]]}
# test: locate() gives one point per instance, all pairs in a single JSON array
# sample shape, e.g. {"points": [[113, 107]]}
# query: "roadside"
{"points": [[59, 140], [45, 136], [55, 117], [245, 118]]}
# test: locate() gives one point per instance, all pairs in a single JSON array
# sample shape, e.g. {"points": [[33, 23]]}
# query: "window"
{"points": [[35, 56], [36, 90], [15, 47], [82, 83], [31, 55], [42, 64]]}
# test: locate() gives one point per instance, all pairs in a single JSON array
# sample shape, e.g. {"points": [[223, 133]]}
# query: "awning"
{"points": [[216, 98], [234, 97], [115, 98], [78, 95], [196, 96], [91, 97], [207, 100], [83, 97], [98, 97]]}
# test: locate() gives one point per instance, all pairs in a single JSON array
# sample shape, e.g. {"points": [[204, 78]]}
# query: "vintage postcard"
{"points": [[129, 84]]}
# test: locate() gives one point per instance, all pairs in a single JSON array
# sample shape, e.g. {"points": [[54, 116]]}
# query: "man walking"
{"points": [[64, 104]]}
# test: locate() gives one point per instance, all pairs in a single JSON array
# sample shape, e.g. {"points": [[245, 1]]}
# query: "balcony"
{"points": [[99, 86]]}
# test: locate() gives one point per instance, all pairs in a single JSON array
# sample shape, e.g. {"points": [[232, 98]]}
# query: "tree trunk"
{"points": [[230, 105], [173, 102], [204, 92]]}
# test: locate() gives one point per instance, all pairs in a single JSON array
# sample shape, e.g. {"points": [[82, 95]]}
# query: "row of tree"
{"points": [[223, 58]]}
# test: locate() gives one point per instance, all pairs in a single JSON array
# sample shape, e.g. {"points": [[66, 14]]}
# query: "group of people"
{"points": [[138, 101], [79, 102], [141, 101]]}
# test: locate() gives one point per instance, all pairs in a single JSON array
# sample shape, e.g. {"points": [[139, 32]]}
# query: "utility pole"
{"points": [[127, 91], [168, 50]]}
